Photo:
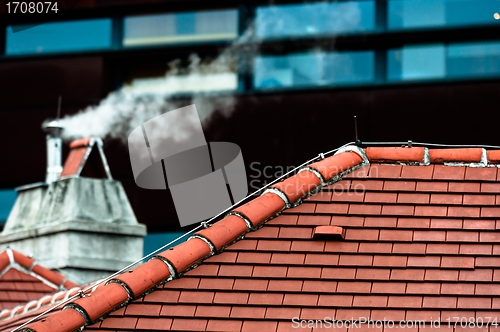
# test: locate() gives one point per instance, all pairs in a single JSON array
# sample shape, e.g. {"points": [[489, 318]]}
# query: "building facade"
{"points": [[271, 77]]}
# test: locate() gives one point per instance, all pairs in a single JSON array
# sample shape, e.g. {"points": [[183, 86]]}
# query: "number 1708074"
{"points": [[31, 7], [472, 322]]}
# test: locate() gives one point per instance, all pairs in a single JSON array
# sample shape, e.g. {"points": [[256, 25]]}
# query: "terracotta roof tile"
{"points": [[395, 154], [420, 243], [417, 172], [493, 156], [296, 186], [153, 324], [219, 325], [248, 312], [447, 173], [463, 155], [385, 171], [225, 231], [481, 174]]}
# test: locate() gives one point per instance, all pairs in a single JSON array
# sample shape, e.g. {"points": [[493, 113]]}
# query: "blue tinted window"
{"points": [[60, 37], [180, 27], [473, 59], [313, 69], [7, 199], [315, 19], [416, 62], [439, 61], [403, 14], [186, 23]]}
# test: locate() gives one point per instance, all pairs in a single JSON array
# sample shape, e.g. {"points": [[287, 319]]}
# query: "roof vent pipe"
{"points": [[54, 151]]}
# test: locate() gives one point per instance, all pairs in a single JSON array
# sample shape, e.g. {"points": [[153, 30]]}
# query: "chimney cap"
{"points": [[53, 127]]}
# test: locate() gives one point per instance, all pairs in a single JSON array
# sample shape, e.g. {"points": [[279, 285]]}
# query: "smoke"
{"points": [[124, 110]]}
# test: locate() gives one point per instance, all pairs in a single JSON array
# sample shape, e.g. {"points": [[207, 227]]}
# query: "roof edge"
{"points": [[174, 262], [10, 258]]}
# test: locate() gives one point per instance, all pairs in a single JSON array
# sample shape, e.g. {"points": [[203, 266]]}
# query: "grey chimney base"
{"points": [[84, 227]]}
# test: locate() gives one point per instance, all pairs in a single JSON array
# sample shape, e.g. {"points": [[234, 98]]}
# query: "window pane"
{"points": [[439, 61], [60, 37], [315, 19], [7, 199], [180, 27], [313, 69], [473, 59], [403, 14], [416, 62]]}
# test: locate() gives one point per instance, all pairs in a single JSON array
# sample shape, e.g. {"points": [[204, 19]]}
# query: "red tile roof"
{"points": [[421, 243], [23, 280]]}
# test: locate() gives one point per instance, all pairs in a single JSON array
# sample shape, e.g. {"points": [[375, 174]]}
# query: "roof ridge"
{"points": [[175, 261], [473, 157], [10, 258]]}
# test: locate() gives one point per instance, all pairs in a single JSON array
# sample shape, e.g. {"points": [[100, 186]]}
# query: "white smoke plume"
{"points": [[124, 110]]}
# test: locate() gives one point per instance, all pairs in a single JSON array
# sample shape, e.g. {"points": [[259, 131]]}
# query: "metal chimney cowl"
{"points": [[54, 151], [83, 226]]}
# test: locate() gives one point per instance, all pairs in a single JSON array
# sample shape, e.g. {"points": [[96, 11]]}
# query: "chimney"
{"points": [[79, 222], [54, 151]]}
